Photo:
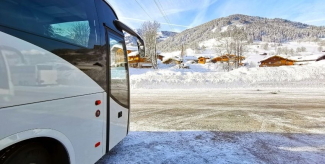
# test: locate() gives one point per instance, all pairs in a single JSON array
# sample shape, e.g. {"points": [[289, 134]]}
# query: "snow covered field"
{"points": [[248, 125], [213, 76]]}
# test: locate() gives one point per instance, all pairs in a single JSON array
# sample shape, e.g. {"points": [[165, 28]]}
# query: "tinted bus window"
{"points": [[106, 15], [118, 70], [71, 21]]}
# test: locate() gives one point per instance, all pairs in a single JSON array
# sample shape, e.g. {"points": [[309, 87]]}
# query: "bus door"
{"points": [[119, 94]]}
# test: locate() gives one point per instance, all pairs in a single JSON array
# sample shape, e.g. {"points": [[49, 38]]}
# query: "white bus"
{"points": [[64, 87]]}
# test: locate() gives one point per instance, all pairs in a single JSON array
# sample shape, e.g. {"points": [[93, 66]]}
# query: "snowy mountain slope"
{"points": [[257, 29]]}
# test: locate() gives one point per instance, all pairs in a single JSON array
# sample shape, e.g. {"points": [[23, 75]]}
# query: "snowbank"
{"points": [[212, 76]]}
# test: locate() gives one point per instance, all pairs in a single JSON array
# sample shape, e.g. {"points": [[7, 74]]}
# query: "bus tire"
{"points": [[32, 152]]}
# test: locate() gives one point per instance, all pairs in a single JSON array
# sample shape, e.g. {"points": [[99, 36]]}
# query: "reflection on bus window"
{"points": [[4, 76], [118, 70], [71, 21], [74, 32]]}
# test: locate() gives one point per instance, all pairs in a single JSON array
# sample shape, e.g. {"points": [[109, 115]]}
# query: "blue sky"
{"points": [[183, 14]]}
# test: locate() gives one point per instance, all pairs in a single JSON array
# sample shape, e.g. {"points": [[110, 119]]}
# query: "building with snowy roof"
{"points": [[136, 61], [276, 61]]}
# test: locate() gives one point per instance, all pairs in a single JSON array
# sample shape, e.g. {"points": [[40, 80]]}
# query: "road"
{"points": [[224, 126], [246, 110]]}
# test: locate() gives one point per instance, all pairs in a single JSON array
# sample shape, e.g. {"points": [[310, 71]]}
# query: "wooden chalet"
{"points": [[160, 57], [172, 60], [136, 61], [226, 58], [131, 49], [276, 61], [202, 59], [321, 58]]}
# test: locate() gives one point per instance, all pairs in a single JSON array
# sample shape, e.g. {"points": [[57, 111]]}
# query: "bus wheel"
{"points": [[31, 153]]}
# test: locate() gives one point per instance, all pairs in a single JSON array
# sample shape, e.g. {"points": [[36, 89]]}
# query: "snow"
{"points": [[135, 53], [217, 147], [214, 29], [132, 48], [224, 28], [212, 75]]}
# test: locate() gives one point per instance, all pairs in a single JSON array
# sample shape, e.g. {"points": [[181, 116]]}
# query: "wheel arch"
{"points": [[40, 135]]}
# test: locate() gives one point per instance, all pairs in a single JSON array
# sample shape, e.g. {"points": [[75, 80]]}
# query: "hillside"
{"points": [[256, 28]]}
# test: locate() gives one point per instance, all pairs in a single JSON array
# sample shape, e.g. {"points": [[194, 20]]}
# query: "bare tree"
{"points": [[80, 33], [148, 31], [265, 46], [234, 41]]}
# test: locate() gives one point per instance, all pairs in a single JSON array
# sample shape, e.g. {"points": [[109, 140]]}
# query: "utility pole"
{"points": [[182, 52]]}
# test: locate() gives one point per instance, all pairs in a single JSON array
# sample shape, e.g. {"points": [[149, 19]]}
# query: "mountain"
{"points": [[161, 36], [256, 28]]}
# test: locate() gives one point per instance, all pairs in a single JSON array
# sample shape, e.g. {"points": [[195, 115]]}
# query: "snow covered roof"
{"points": [[171, 58], [117, 46], [135, 53], [201, 56], [306, 58], [321, 58], [132, 48], [280, 56]]}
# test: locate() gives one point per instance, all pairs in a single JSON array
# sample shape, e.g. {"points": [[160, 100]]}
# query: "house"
{"points": [[130, 49], [136, 61], [226, 58], [119, 54], [275, 61], [172, 60], [202, 59], [321, 58], [160, 57]]}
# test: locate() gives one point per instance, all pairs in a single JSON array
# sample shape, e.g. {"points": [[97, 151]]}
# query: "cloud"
{"points": [[190, 13], [143, 20], [203, 8], [315, 20]]}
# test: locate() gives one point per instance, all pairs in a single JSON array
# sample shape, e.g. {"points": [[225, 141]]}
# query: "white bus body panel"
{"points": [[74, 81], [118, 126], [67, 108], [73, 117]]}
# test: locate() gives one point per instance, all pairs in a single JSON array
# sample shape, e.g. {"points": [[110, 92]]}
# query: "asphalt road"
{"points": [[239, 110]]}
